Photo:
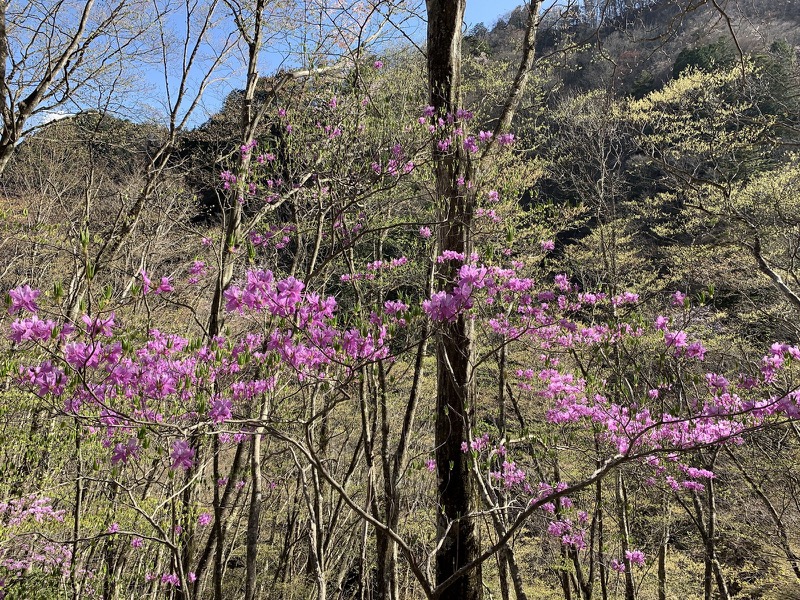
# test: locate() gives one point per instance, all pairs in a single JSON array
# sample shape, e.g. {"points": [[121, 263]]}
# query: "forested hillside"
{"points": [[425, 311]]}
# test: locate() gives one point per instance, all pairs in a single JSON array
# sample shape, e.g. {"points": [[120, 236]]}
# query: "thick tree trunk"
{"points": [[455, 528], [453, 409]]}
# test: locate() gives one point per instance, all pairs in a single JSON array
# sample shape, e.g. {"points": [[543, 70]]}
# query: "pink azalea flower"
{"points": [[182, 455], [23, 298]]}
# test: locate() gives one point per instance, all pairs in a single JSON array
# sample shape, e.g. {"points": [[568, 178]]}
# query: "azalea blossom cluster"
{"points": [[656, 427], [171, 380], [148, 286], [396, 164], [373, 269], [22, 552], [137, 397], [552, 322], [635, 557], [277, 236], [450, 131]]}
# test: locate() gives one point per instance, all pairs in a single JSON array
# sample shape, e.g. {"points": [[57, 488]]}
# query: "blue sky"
{"points": [[477, 11], [488, 11]]}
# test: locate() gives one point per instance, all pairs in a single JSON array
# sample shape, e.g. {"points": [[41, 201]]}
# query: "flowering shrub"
{"points": [[25, 550], [158, 395], [306, 368]]}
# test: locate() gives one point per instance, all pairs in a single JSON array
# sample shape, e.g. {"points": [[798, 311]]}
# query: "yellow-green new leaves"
{"points": [[768, 207], [715, 136], [707, 126]]}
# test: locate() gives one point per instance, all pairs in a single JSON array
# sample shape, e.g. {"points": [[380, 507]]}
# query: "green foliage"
{"points": [[716, 56], [644, 83]]}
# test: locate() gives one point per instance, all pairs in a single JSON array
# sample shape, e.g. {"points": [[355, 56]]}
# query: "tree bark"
{"points": [[601, 552], [662, 564], [456, 531], [624, 531]]}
